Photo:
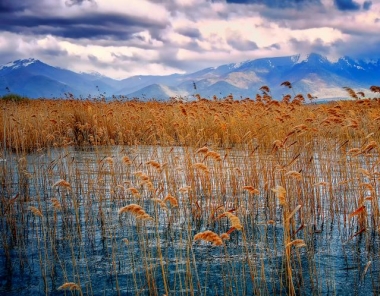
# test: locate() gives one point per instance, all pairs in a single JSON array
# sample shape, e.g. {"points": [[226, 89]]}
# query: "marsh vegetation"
{"points": [[217, 197]]}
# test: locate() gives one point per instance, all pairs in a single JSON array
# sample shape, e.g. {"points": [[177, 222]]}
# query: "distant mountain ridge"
{"points": [[312, 73]]}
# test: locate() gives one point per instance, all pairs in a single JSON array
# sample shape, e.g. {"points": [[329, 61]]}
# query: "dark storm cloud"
{"points": [[9, 50], [347, 5], [189, 32], [78, 2], [169, 57], [340, 47], [93, 58], [122, 57], [344, 5], [134, 57], [275, 46], [277, 3], [239, 43], [14, 49], [10, 6], [54, 52], [92, 25], [34, 5], [316, 46], [367, 5], [99, 64], [350, 48]]}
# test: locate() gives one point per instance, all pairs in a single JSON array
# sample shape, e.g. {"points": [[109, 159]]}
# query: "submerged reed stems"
{"points": [[237, 197]]}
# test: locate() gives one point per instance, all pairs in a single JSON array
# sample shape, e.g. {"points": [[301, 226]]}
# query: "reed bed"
{"points": [[38, 124], [203, 198]]}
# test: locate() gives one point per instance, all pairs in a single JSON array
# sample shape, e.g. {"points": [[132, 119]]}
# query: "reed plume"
{"points": [[109, 160], [202, 167], [264, 88], [280, 194], [215, 155], [370, 146], [364, 172], [287, 84], [298, 243], [184, 189], [161, 203], [154, 164], [203, 150], [358, 211], [234, 220], [144, 177], [62, 183], [56, 204], [126, 160], [172, 200], [225, 236], [351, 92], [375, 88], [69, 286], [135, 210], [134, 191], [251, 189], [360, 93], [35, 211], [294, 174], [209, 236]]}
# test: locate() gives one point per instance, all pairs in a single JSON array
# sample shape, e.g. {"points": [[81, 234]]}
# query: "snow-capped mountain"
{"points": [[18, 64], [33, 78], [310, 73]]}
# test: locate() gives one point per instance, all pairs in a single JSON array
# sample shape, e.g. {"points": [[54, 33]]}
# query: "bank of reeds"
{"points": [[37, 124], [234, 197]]}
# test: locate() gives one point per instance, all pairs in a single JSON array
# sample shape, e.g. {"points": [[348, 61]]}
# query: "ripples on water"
{"points": [[83, 242]]}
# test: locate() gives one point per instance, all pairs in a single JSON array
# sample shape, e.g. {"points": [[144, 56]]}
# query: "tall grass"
{"points": [[39, 124], [208, 197]]}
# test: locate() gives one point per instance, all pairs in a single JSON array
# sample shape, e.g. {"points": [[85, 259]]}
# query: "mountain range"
{"points": [[312, 73]]}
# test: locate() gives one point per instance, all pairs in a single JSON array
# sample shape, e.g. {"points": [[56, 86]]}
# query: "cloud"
{"points": [[10, 6], [277, 4], [73, 19], [79, 2], [306, 46], [274, 46], [120, 39], [367, 5], [96, 25], [347, 5], [237, 41], [339, 47], [189, 32], [369, 51]]}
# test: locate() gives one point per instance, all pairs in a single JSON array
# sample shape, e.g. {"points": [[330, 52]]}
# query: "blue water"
{"points": [[84, 243]]}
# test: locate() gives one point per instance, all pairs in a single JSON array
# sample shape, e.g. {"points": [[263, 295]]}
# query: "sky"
{"points": [[159, 37]]}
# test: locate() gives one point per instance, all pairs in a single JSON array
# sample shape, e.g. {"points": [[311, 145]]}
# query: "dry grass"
{"points": [[271, 184], [41, 123], [209, 236]]}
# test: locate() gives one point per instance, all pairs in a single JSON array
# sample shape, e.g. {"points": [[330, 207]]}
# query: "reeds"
{"points": [[89, 123], [242, 197], [209, 236], [69, 286], [136, 211]]}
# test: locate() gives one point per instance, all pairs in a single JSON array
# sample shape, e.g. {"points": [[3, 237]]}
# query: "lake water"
{"points": [[85, 241]]}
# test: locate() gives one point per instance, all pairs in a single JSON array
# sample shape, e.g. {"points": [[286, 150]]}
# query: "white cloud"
{"points": [[138, 8], [187, 35]]}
